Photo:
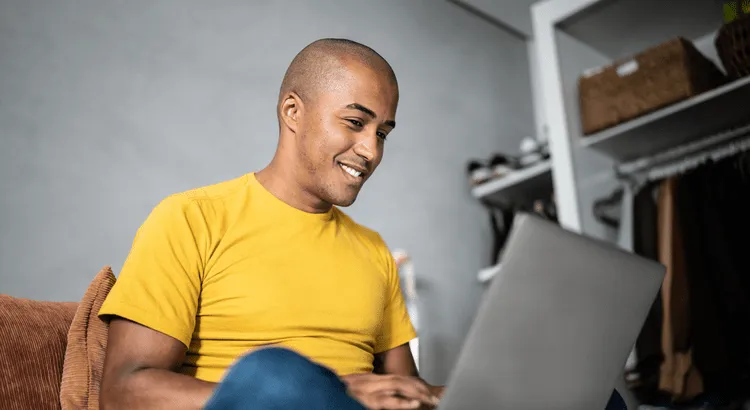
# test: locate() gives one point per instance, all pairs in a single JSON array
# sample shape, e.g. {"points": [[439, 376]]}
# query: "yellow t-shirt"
{"points": [[229, 267]]}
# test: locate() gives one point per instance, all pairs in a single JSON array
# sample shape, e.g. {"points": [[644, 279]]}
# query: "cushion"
{"points": [[32, 348], [87, 345]]}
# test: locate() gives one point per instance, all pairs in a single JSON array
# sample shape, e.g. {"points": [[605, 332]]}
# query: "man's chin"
{"points": [[342, 195], [343, 203], [345, 199]]}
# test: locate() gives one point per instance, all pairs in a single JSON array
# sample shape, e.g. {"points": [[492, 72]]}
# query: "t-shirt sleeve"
{"points": [[160, 281], [397, 328]]}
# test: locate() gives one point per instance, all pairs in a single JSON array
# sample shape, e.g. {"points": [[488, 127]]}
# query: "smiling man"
{"points": [[259, 292]]}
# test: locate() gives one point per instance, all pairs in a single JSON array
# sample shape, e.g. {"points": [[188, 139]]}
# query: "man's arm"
{"points": [[400, 361], [140, 371]]}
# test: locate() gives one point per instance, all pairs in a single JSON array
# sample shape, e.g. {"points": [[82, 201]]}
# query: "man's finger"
{"points": [[393, 403], [404, 392], [412, 383], [406, 387], [415, 389]]}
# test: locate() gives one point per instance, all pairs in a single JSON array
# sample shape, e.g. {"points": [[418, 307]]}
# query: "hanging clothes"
{"points": [[694, 348], [713, 203], [501, 221], [648, 345], [678, 376]]}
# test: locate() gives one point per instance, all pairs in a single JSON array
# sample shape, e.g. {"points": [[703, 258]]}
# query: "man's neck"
{"points": [[284, 185]]}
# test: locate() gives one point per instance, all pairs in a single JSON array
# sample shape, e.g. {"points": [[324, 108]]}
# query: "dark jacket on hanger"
{"points": [[714, 214]]}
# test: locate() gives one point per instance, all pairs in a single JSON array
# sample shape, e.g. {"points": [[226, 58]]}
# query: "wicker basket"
{"points": [[658, 77], [733, 46]]}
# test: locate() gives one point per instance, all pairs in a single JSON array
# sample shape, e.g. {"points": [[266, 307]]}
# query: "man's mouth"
{"points": [[351, 171]]}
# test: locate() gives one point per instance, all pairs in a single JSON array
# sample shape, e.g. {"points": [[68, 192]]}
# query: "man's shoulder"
{"points": [[219, 190], [361, 231], [202, 199]]}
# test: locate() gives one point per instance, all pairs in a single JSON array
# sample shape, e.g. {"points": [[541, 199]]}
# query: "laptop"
{"points": [[556, 325]]}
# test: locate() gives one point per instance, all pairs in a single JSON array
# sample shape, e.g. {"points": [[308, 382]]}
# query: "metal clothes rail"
{"points": [[686, 157]]}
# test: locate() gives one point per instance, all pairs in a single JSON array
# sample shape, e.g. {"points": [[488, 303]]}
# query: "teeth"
{"points": [[351, 171]]}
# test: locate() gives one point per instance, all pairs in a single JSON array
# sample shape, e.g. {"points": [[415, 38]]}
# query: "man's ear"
{"points": [[290, 111]]}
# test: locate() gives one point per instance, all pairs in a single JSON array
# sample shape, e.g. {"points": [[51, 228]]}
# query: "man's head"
{"points": [[336, 106]]}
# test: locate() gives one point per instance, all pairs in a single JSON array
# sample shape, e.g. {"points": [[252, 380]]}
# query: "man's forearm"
{"points": [[148, 389]]}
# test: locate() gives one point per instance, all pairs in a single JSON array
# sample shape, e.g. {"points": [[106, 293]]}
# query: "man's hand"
{"points": [[437, 391], [390, 392]]}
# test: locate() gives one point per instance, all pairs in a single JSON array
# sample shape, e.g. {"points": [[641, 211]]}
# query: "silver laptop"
{"points": [[556, 325]]}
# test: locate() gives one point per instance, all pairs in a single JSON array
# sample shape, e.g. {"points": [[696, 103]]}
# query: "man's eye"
{"points": [[356, 123], [382, 135]]}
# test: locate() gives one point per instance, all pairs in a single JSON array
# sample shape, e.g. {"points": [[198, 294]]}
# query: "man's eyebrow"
{"points": [[371, 113], [360, 107]]}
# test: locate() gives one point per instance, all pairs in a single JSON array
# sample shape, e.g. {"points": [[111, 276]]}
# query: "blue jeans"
{"points": [[280, 379]]}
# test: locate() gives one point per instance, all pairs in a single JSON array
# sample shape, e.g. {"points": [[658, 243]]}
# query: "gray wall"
{"points": [[108, 106], [515, 14]]}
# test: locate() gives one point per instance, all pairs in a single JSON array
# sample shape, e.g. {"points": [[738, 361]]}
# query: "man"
{"points": [[259, 293]]}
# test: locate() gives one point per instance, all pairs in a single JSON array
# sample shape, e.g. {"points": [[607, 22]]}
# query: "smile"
{"points": [[351, 171]]}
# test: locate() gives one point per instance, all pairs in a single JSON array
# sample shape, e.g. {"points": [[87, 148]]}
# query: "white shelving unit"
{"points": [[573, 36], [528, 183]]}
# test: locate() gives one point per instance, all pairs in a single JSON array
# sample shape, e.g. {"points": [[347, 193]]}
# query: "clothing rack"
{"points": [[686, 157], [635, 174]]}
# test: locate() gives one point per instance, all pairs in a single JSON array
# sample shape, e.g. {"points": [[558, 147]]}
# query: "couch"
{"points": [[52, 353]]}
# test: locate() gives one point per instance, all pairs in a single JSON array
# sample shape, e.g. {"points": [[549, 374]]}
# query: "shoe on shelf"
{"points": [[498, 166], [502, 165], [479, 172], [531, 152]]}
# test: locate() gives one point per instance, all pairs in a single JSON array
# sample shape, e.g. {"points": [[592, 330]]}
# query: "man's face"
{"points": [[343, 133]]}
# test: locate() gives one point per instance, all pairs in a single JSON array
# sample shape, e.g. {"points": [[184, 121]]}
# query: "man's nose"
{"points": [[364, 150]]}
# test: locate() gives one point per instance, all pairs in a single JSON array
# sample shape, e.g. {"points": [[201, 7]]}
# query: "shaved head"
{"points": [[320, 65]]}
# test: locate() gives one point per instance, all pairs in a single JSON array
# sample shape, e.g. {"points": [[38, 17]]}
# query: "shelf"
{"points": [[530, 183], [619, 28], [681, 123]]}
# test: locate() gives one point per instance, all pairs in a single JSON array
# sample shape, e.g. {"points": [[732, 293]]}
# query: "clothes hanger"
{"points": [[603, 207]]}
